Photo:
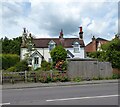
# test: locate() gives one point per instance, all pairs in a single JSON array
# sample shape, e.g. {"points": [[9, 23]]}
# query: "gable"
{"points": [[51, 42], [36, 53]]}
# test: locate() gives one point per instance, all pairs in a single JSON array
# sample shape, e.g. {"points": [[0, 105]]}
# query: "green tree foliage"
{"points": [[45, 66], [11, 69], [110, 52], [11, 46], [113, 45], [9, 60], [58, 54]]}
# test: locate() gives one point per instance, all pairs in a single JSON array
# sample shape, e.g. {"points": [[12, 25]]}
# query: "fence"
{"points": [[88, 68], [32, 76]]}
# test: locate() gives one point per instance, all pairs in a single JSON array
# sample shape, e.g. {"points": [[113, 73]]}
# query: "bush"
{"points": [[45, 66], [63, 78], [58, 54], [22, 66], [38, 69], [11, 69], [46, 77], [9, 60], [77, 79], [116, 76], [110, 52], [61, 65]]}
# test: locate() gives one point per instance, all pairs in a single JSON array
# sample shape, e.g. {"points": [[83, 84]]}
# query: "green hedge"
{"points": [[9, 60], [20, 66]]}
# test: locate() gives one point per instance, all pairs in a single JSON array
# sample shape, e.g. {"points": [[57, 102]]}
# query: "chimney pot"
{"points": [[24, 30], [81, 33], [80, 29], [61, 34]]}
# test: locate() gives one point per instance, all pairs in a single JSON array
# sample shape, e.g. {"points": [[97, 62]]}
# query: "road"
{"points": [[97, 94]]}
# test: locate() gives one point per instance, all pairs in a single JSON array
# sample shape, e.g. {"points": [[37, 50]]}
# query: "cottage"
{"points": [[43, 46]]}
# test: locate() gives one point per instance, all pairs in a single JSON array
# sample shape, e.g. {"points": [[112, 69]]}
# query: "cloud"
{"points": [[47, 18]]}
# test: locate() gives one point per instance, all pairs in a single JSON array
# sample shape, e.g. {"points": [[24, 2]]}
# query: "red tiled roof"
{"points": [[68, 42]]}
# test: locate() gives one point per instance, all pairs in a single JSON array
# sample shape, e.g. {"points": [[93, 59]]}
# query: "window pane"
{"points": [[76, 50], [36, 60], [51, 47]]}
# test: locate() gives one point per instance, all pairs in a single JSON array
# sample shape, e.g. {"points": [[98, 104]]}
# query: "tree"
{"points": [[58, 54], [11, 46], [112, 45], [110, 52]]}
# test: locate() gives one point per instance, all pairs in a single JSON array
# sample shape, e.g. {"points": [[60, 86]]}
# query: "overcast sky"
{"points": [[45, 18]]}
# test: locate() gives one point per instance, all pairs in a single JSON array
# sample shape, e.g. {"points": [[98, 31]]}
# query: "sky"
{"points": [[45, 18]]}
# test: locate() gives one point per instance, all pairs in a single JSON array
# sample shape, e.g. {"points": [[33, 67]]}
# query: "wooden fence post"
{"points": [[25, 76], [1, 77]]}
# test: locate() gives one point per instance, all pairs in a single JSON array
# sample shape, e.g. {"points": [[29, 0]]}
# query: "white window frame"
{"points": [[36, 61], [51, 45], [76, 47]]}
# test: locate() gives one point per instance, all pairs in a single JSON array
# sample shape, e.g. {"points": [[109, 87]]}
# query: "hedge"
{"points": [[9, 60]]}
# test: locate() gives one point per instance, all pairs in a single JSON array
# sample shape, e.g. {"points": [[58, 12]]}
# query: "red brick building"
{"points": [[95, 44]]}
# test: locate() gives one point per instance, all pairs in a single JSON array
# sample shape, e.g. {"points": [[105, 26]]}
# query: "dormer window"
{"points": [[76, 47], [51, 45]]}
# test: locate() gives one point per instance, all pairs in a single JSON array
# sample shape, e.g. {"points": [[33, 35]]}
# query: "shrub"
{"points": [[44, 77], [58, 54], [9, 60], [63, 78], [22, 66], [11, 69], [116, 76], [38, 69], [95, 78], [61, 65], [45, 66], [77, 79]]}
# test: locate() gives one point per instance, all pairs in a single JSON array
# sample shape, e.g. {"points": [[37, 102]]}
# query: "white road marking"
{"points": [[80, 98], [4, 104]]}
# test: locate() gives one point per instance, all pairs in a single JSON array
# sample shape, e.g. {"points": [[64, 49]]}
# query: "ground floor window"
{"points": [[36, 60]]}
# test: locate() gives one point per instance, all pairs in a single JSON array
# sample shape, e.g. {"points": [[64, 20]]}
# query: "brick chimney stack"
{"points": [[81, 33], [94, 44], [61, 39], [61, 34], [24, 30]]}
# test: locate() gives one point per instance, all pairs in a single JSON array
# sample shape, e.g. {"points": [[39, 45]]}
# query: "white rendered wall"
{"points": [[46, 54], [81, 54], [23, 51]]}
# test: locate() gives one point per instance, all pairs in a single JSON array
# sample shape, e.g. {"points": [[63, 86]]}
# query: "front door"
{"points": [[36, 62]]}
